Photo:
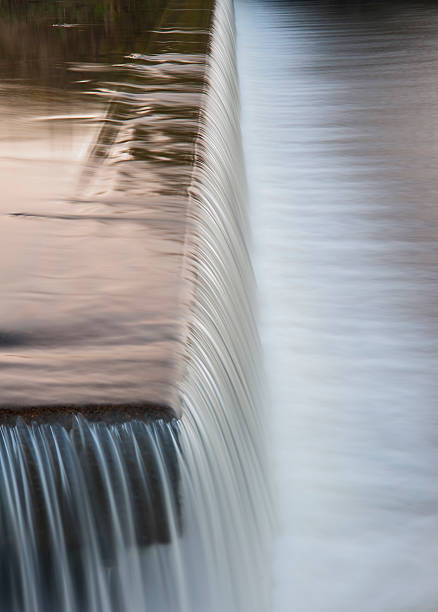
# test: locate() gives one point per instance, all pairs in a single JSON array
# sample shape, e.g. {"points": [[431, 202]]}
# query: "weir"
{"points": [[107, 502]]}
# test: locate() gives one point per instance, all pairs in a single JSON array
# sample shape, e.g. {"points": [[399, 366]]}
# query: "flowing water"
{"points": [[340, 115], [127, 288], [127, 298]]}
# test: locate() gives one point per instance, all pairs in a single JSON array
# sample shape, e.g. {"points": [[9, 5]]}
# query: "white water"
{"points": [[339, 127], [79, 510], [221, 431]]}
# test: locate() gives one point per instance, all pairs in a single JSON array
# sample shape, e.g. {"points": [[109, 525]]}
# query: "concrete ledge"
{"points": [[106, 413]]}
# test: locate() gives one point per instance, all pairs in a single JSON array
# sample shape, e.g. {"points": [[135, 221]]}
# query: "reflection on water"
{"points": [[340, 123], [98, 105]]}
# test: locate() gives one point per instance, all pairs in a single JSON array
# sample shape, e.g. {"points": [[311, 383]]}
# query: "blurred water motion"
{"points": [[98, 113], [340, 125], [80, 509]]}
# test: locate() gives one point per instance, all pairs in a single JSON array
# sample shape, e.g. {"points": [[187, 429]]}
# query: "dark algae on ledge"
{"points": [[99, 106]]}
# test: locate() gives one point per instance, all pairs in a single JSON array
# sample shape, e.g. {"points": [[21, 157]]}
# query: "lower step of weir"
{"points": [[95, 219]]}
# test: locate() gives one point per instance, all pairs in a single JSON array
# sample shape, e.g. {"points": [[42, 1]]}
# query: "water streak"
{"points": [[78, 506], [221, 432]]}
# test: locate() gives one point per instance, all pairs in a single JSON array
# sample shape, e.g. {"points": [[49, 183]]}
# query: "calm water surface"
{"points": [[99, 104], [340, 120]]}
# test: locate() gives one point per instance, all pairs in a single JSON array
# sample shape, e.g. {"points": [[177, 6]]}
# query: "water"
{"points": [[80, 509], [127, 508], [339, 127], [100, 119], [222, 390]]}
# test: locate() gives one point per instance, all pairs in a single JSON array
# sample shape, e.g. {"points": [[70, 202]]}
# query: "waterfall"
{"points": [[79, 510], [221, 430], [160, 515]]}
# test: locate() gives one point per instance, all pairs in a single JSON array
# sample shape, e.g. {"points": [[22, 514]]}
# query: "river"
{"points": [[339, 116]]}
